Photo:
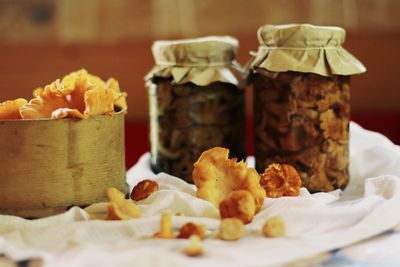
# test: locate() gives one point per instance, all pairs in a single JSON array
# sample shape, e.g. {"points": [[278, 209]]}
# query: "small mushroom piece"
{"points": [[144, 189], [238, 204], [194, 248], [165, 226], [190, 229], [231, 229], [280, 180], [274, 227], [120, 208]]}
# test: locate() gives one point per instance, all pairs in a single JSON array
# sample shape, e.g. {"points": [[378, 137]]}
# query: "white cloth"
{"points": [[316, 223]]}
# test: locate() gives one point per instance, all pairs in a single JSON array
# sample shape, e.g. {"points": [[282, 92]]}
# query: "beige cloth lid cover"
{"points": [[200, 61], [305, 48]]}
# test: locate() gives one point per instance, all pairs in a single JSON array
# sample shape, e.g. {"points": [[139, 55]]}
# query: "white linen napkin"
{"points": [[316, 223]]}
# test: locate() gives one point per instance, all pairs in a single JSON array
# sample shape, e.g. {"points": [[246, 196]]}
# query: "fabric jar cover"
{"points": [[200, 61], [304, 48]]}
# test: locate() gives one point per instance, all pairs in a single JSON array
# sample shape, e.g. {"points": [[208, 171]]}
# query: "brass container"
{"points": [[49, 165]]}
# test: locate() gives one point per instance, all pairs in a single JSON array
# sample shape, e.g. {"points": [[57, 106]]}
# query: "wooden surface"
{"points": [[48, 165], [105, 21], [24, 67], [43, 40]]}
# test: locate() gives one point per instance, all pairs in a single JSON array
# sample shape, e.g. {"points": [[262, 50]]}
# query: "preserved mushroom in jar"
{"points": [[196, 102], [301, 78]]}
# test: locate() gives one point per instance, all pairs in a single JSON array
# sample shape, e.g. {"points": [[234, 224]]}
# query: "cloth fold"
{"points": [[316, 223]]}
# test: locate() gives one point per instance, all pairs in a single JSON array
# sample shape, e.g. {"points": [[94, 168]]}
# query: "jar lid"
{"points": [[206, 51], [305, 48], [201, 61]]}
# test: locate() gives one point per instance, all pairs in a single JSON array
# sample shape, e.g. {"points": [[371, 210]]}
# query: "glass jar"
{"points": [[196, 102], [301, 78]]}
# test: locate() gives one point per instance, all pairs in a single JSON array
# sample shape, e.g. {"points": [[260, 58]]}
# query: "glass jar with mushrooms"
{"points": [[196, 102], [301, 76]]}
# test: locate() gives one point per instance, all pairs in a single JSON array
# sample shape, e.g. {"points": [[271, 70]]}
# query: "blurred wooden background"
{"points": [[43, 40]]}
